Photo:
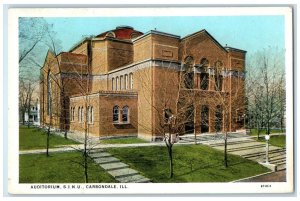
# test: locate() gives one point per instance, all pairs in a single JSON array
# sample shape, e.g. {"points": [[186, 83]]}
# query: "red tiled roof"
{"points": [[121, 32]]}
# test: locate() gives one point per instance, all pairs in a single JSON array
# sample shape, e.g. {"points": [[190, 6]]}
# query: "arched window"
{"points": [[204, 62], [111, 34], [49, 93], [121, 82], [117, 83], [126, 82], [116, 114], [134, 35], [112, 83], [188, 64], [125, 114], [131, 81]]}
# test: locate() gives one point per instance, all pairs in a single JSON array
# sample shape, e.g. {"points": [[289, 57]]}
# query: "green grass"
{"points": [[275, 140], [59, 168], [35, 138], [125, 140], [192, 163], [264, 131]]}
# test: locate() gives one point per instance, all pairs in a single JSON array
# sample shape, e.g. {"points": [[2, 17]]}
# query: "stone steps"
{"points": [[114, 166], [99, 155], [134, 179], [250, 149], [123, 172], [106, 160]]}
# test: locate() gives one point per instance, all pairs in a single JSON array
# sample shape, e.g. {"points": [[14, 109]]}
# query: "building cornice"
{"points": [[106, 93], [156, 33]]}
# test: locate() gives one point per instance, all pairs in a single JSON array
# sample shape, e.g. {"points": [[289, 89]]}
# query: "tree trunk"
{"points": [[48, 140], [225, 151], [65, 116], [85, 165], [23, 116], [257, 126], [170, 151]]}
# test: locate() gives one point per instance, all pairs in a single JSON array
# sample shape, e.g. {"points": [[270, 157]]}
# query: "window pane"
{"points": [[115, 114], [126, 81], [125, 114]]}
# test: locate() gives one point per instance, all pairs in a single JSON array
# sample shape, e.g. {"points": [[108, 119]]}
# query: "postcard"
{"points": [[164, 100]]}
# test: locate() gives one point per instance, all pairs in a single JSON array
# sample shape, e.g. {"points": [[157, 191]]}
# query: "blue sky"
{"points": [[250, 33]]}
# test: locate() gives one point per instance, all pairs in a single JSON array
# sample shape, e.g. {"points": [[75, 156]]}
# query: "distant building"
{"points": [[34, 116], [113, 82]]}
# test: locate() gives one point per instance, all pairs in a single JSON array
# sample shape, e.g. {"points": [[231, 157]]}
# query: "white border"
{"points": [[173, 188]]}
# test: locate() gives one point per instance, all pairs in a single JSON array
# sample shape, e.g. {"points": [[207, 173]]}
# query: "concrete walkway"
{"points": [[119, 170]]}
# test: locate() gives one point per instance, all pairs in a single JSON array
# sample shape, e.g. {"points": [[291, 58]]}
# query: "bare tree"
{"points": [[229, 103], [266, 89]]}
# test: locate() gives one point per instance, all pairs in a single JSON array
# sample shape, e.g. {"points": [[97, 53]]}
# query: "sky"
{"points": [[250, 33]]}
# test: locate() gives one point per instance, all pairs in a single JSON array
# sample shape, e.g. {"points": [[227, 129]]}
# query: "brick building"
{"points": [[125, 82]]}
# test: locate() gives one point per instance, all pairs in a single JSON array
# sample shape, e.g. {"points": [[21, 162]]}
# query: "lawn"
{"points": [[192, 163], [59, 168], [125, 140], [275, 140], [263, 131], [35, 138]]}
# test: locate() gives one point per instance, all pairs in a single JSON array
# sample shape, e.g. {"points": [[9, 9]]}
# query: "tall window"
{"points": [[78, 114], [116, 114], [131, 81], [125, 113], [73, 116], [126, 81], [204, 77], [218, 76], [81, 114], [49, 92], [117, 83], [204, 81], [121, 82], [72, 113], [90, 114], [218, 82], [204, 119], [112, 83], [188, 72]]}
